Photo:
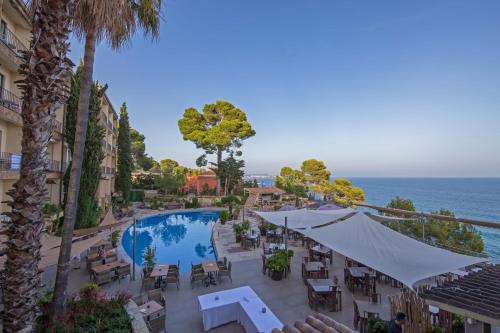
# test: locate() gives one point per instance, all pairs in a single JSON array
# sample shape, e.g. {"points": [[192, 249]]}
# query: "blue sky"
{"points": [[373, 88]]}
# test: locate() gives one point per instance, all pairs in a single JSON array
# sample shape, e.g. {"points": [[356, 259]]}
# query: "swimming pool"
{"points": [[184, 236]]}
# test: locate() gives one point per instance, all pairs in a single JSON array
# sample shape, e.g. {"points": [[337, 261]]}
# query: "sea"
{"points": [[475, 198]]}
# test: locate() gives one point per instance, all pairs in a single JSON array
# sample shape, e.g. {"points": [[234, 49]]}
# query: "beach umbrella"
{"points": [[329, 207]]}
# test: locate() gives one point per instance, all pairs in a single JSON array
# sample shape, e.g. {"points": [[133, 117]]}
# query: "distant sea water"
{"points": [[475, 198]]}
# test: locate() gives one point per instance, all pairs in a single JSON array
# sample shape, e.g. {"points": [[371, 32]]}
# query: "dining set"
{"points": [[209, 270], [103, 263], [324, 291], [250, 240]]}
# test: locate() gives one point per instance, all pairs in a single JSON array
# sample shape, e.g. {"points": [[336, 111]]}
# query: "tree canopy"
{"points": [[342, 192], [140, 159], [292, 181], [219, 127], [231, 173], [168, 165], [315, 172]]}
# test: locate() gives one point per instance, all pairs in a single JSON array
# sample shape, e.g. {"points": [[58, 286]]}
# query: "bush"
{"points": [[192, 204], [92, 311], [224, 216], [377, 325], [278, 262], [136, 196], [149, 256], [51, 209], [437, 329]]}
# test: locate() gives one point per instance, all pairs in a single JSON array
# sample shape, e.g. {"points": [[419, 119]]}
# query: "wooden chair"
{"points": [[174, 268], [197, 276], [314, 299], [148, 283], [101, 278], [172, 277], [226, 272], [157, 324], [323, 273], [122, 272], [222, 263], [157, 296]]}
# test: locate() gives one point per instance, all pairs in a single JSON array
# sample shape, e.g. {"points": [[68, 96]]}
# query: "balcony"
{"points": [[10, 101], [12, 162], [11, 49]]}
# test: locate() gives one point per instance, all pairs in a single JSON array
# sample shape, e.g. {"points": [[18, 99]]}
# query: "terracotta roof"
{"points": [[263, 190], [476, 295]]}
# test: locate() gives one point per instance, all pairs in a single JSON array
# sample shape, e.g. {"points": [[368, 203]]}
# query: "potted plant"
{"points": [[115, 236], [245, 225], [224, 216], [377, 325], [277, 263], [148, 257], [263, 228], [238, 231]]}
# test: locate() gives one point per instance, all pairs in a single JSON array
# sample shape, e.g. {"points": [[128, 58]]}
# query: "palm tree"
{"points": [[46, 71], [96, 20]]}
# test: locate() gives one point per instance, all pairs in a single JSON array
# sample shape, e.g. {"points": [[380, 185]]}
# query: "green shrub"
{"points": [[437, 329], [192, 204], [377, 325], [224, 216], [136, 196]]}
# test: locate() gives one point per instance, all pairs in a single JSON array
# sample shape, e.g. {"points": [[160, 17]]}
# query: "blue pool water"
{"points": [[175, 236]]}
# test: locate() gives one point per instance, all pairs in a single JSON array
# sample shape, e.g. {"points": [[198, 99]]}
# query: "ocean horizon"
{"points": [[472, 197]]}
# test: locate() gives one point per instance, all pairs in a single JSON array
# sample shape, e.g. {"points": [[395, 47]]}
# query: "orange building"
{"points": [[203, 183]]}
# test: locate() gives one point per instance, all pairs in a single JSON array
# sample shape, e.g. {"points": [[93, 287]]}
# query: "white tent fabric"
{"points": [[304, 218], [385, 250]]}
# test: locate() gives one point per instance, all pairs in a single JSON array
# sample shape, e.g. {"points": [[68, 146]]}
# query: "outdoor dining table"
{"points": [[108, 267], [323, 251], [359, 273], [151, 310], [383, 311], [210, 267], [158, 272], [310, 267], [324, 286]]}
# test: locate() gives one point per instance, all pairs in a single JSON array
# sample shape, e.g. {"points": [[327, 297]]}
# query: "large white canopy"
{"points": [[304, 218], [385, 250]]}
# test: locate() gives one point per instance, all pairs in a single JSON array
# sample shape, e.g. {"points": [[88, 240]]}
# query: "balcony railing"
{"points": [[10, 101], [12, 42], [12, 162]]}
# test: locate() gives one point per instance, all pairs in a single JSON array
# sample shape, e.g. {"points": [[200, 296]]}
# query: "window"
{"points": [[3, 30]]}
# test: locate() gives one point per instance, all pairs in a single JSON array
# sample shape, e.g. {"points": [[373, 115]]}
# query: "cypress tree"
{"points": [[124, 164], [88, 209]]}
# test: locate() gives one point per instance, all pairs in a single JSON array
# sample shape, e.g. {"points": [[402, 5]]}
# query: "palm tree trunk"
{"points": [[219, 160], [63, 265], [46, 71]]}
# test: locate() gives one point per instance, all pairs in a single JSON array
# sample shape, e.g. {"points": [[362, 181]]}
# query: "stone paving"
{"points": [[286, 298]]}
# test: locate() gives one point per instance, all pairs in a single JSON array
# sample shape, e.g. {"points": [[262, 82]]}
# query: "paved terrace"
{"points": [[286, 298]]}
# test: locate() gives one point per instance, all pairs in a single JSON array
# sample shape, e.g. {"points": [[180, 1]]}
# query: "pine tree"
{"points": [[125, 164], [88, 210]]}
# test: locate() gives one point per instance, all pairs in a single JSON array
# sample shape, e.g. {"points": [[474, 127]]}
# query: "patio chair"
{"points": [[264, 267], [314, 299], [157, 324], [196, 268], [172, 277], [148, 283], [323, 273], [376, 298], [222, 263], [122, 272], [226, 272], [102, 278], [157, 296], [174, 268], [197, 276]]}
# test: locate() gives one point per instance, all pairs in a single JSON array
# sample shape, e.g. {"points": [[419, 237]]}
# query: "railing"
{"points": [[12, 162], [12, 42], [10, 100]]}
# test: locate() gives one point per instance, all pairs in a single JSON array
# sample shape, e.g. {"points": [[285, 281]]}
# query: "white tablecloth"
{"points": [[238, 304]]}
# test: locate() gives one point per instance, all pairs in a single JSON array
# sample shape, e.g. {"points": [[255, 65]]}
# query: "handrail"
{"points": [[10, 100], [12, 42], [402, 212]]}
